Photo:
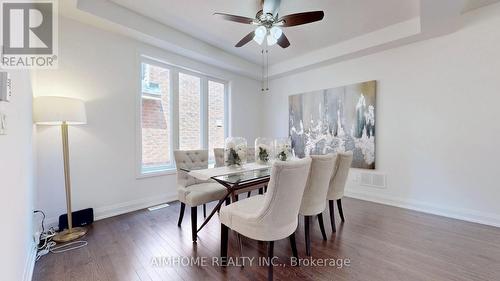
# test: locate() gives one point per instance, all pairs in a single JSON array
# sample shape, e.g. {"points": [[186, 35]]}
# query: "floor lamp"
{"points": [[62, 112]]}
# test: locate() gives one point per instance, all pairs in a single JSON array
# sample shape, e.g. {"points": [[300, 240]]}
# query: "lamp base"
{"points": [[66, 235]]}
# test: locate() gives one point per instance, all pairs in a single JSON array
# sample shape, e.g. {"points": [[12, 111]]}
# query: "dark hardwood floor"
{"points": [[381, 242]]}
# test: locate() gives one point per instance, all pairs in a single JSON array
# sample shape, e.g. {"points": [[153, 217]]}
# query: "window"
{"points": [[155, 119], [180, 109], [189, 112], [216, 116]]}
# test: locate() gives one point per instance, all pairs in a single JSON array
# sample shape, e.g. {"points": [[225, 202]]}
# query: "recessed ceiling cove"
{"points": [[343, 20]]}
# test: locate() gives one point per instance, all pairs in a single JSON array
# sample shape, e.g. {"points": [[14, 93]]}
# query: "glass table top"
{"points": [[245, 176]]}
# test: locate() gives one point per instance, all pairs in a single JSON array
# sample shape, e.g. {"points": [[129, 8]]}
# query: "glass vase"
{"points": [[283, 149], [263, 150], [235, 152]]}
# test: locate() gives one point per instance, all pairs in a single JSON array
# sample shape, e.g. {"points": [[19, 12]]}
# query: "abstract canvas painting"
{"points": [[335, 120]]}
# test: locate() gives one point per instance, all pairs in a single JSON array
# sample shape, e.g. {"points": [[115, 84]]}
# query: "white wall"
{"points": [[438, 128], [102, 68], [16, 182]]}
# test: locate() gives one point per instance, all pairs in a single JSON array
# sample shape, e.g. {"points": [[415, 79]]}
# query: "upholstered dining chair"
{"points": [[313, 202], [191, 191], [337, 185], [272, 216]]}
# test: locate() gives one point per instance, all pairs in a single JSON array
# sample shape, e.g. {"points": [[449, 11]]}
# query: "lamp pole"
{"points": [[77, 232]]}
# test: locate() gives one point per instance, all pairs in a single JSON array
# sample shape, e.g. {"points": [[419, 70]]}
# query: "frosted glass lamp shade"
{"points": [[56, 110]]}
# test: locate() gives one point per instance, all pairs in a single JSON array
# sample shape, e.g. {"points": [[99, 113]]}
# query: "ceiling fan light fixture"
{"points": [[260, 34], [271, 40], [259, 40], [276, 32]]}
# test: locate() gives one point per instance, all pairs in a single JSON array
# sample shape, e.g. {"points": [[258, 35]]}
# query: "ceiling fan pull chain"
{"points": [[263, 70], [267, 70]]}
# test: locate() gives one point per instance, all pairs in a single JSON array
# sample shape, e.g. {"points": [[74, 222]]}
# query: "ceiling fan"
{"points": [[269, 24]]}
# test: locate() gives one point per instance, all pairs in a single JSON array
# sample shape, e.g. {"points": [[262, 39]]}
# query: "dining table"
{"points": [[236, 180]]}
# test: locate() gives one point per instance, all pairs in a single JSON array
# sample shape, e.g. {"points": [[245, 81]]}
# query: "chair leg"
{"points": [[332, 216], [261, 190], [307, 228], [270, 255], [223, 243], [341, 212], [322, 226], [205, 210], [181, 214], [228, 201], [194, 224], [240, 246], [237, 197], [249, 194], [293, 244]]}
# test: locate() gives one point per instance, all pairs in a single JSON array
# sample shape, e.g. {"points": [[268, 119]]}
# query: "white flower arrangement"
{"points": [[262, 154], [235, 153], [283, 151]]}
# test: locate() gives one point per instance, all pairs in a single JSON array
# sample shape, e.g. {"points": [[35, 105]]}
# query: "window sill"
{"points": [[166, 172]]}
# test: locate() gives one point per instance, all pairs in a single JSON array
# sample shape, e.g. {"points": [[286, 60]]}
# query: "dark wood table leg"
{"points": [[230, 192], [215, 210]]}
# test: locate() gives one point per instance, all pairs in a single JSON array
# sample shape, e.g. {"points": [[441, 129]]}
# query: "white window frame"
{"points": [[174, 112]]}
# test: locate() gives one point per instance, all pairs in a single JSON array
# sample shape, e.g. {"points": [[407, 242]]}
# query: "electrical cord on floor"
{"points": [[49, 246]]}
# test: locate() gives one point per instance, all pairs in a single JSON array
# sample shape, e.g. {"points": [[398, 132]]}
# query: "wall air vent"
{"points": [[373, 180]]}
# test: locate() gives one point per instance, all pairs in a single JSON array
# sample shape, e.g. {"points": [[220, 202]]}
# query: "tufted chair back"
{"points": [[339, 176], [313, 201], [219, 157], [283, 196], [189, 159]]}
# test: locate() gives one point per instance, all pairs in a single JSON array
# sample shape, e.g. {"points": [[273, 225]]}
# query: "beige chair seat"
{"points": [[201, 193]]}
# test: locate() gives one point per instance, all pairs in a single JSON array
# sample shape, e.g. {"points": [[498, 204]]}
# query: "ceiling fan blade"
{"points": [[235, 18], [302, 18], [246, 39], [283, 41]]}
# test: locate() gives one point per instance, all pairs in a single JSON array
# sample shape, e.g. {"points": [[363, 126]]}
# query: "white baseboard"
{"points": [[30, 264], [455, 213], [121, 208], [130, 206]]}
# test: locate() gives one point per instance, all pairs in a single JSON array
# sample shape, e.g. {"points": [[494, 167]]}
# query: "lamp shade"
{"points": [[56, 110]]}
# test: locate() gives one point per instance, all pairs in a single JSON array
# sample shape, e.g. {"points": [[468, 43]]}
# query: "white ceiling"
{"points": [[351, 28], [344, 19]]}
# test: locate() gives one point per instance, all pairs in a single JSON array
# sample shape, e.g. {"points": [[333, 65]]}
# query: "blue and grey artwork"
{"points": [[335, 120]]}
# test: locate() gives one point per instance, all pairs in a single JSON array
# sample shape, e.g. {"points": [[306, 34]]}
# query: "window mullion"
{"points": [[175, 109], [204, 113], [226, 110]]}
